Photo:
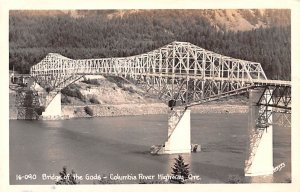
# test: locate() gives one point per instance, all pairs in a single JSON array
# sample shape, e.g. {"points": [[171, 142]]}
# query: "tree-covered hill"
{"points": [[111, 33]]}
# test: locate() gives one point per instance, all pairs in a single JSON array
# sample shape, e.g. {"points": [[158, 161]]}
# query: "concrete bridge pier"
{"points": [[260, 148], [53, 109], [179, 132]]}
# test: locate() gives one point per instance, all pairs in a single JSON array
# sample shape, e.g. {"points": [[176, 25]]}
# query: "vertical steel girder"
{"points": [[278, 97], [179, 71]]}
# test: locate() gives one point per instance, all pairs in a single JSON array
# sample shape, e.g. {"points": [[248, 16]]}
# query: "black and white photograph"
{"points": [[155, 96]]}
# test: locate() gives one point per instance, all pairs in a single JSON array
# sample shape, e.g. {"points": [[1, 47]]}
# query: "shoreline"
{"points": [[146, 109], [109, 110]]}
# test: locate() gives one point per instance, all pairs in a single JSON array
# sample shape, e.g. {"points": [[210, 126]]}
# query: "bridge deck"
{"points": [[272, 82], [258, 82]]}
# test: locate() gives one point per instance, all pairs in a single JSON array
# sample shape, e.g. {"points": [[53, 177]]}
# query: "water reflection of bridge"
{"points": [[183, 75]]}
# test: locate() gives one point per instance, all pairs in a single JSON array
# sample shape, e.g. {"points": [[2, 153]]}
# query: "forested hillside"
{"points": [[116, 34]]}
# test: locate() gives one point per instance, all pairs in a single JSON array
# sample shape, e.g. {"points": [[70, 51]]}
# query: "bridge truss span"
{"points": [[179, 72]]}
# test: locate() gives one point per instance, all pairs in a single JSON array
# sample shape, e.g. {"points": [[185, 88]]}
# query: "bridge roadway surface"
{"points": [[256, 82]]}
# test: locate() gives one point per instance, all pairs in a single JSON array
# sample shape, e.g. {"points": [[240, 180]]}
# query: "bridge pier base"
{"points": [[53, 109], [260, 149], [179, 134]]}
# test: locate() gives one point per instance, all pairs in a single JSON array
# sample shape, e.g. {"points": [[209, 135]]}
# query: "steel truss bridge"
{"points": [[180, 73]]}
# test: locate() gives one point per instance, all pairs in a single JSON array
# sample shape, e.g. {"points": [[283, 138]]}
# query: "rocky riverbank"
{"points": [[113, 110], [99, 110], [144, 109], [103, 97]]}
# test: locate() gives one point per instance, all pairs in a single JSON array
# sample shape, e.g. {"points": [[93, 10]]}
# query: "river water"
{"points": [[120, 146]]}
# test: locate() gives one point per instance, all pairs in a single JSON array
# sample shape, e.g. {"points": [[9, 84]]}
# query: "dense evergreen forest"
{"points": [[32, 37]]}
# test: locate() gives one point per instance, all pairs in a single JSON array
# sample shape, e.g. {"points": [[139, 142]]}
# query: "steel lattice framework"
{"points": [[180, 72]]}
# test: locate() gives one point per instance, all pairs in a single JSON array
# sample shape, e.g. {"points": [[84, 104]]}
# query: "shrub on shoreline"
{"points": [[89, 110], [94, 100], [73, 91], [91, 81]]}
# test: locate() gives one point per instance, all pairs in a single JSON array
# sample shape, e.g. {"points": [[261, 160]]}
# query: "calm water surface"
{"points": [[120, 145]]}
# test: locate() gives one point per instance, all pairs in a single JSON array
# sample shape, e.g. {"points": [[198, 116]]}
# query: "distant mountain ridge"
{"points": [[229, 19]]}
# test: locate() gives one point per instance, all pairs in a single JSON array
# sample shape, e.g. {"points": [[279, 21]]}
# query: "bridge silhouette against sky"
{"points": [[183, 75]]}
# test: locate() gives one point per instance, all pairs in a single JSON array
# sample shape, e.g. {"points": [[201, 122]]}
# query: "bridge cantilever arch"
{"points": [[183, 75]]}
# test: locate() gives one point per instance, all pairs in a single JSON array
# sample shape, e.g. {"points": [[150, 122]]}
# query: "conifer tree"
{"points": [[67, 179], [180, 170]]}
